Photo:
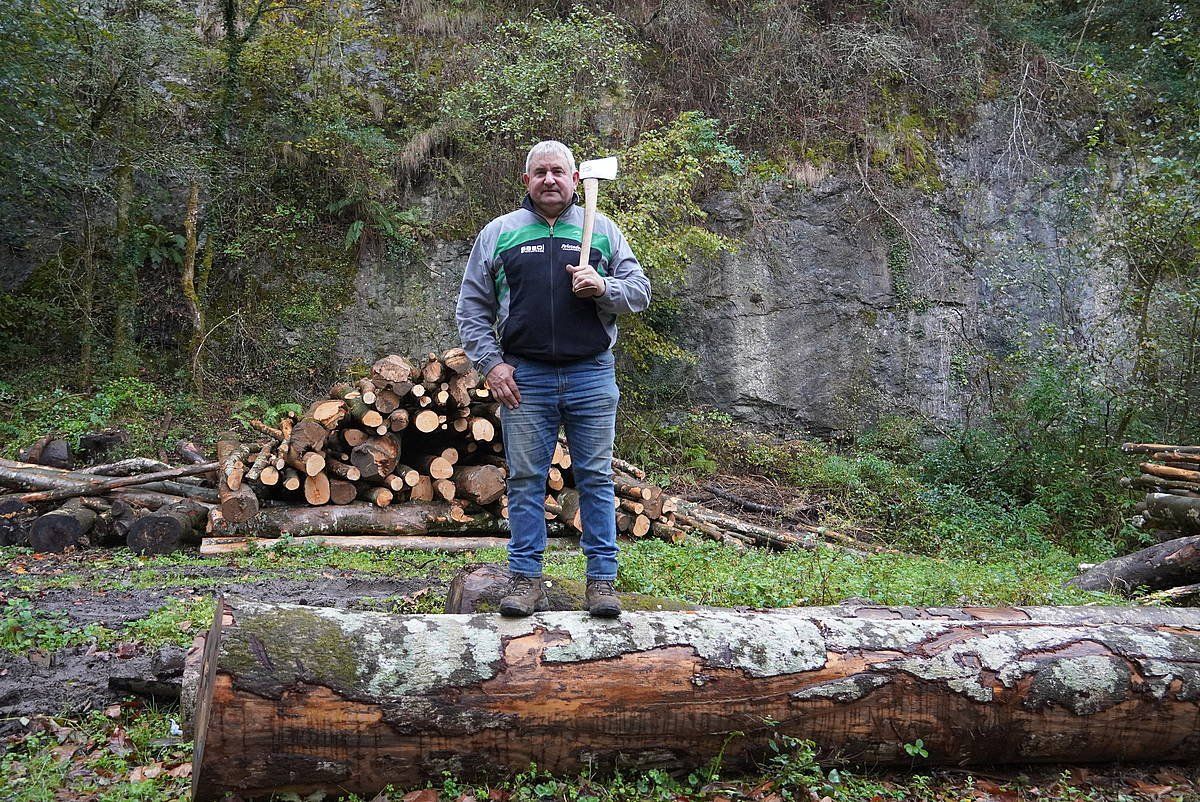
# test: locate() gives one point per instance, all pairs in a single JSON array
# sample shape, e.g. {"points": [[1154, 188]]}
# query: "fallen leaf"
{"points": [[126, 649], [119, 742], [760, 791], [1168, 777], [64, 752], [142, 773], [185, 626], [424, 795], [1149, 789], [466, 798], [113, 711], [498, 795], [182, 770]]}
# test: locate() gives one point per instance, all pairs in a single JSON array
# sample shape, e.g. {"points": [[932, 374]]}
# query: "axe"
{"points": [[590, 172]]}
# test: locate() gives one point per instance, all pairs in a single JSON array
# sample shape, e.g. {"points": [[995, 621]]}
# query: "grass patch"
{"points": [[176, 623], [713, 574], [24, 628], [128, 752]]}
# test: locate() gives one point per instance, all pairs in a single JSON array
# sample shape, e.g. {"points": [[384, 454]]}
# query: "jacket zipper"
{"points": [[553, 333]]}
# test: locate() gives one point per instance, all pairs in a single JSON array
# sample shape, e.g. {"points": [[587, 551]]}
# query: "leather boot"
{"points": [[602, 600], [526, 595]]}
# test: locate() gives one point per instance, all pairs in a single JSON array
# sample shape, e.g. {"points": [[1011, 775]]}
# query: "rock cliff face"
{"points": [[842, 302]]}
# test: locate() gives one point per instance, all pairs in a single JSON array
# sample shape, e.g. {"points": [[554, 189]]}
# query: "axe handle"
{"points": [[590, 189]]}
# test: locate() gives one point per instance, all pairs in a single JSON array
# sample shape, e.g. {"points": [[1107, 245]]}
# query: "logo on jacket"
{"points": [[534, 248], [569, 246]]}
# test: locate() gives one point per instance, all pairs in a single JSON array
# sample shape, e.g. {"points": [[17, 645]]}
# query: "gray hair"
{"points": [[552, 147]]}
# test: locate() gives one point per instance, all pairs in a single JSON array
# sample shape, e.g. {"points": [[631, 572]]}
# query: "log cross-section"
{"points": [[302, 699]]}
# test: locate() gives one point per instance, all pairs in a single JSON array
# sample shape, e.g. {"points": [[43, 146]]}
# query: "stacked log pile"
{"points": [[409, 457], [427, 433], [1170, 513]]}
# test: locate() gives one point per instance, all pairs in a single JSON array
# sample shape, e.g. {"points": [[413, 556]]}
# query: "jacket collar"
{"points": [[527, 203]]}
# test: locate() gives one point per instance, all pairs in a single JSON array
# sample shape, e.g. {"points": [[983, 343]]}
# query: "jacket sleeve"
{"points": [[626, 288], [477, 307]]}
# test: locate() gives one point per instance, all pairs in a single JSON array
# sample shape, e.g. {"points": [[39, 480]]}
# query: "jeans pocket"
{"points": [[604, 359]]}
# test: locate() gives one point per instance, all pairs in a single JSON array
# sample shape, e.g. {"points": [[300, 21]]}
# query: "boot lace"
{"points": [[602, 586], [523, 584]]}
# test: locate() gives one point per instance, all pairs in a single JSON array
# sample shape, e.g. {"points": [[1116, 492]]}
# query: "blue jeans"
{"points": [[582, 396]]}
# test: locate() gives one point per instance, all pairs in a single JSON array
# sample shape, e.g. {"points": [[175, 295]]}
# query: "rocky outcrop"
{"points": [[842, 302]]}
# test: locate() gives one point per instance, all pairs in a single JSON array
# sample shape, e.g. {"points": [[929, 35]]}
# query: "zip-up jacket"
{"points": [[516, 291]]}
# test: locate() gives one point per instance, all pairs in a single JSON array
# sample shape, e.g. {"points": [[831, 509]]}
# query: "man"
{"points": [[542, 329]]}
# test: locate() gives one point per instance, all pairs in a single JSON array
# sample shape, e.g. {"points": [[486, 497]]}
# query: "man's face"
{"points": [[550, 183]]}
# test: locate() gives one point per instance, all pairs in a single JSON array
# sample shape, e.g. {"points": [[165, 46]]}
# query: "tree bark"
{"points": [[1163, 565], [303, 699], [240, 504], [166, 530], [362, 519], [64, 528], [1178, 511], [187, 283], [440, 543], [53, 484], [16, 517]]}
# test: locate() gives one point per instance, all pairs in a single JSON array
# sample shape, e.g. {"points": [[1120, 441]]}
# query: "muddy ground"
{"points": [[76, 679]]}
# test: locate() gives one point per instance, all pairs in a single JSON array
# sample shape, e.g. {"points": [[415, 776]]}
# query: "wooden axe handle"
{"points": [[590, 189]]}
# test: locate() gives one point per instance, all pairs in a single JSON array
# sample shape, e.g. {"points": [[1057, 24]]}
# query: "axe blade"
{"points": [[605, 168]]}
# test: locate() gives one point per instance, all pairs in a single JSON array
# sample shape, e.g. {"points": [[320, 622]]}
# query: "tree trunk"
{"points": [[64, 528], [1178, 511], [439, 543], [187, 282], [362, 519], [125, 278], [73, 483], [167, 530], [16, 517], [302, 699], [1163, 565]]}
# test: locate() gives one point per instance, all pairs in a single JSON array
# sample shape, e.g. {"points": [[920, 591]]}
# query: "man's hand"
{"points": [[504, 386], [586, 282]]}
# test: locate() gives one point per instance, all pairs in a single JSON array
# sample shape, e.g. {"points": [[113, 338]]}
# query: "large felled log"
{"points": [[1163, 565], [167, 529], [401, 697], [64, 528], [1178, 474], [1179, 511], [16, 517], [478, 589], [362, 519], [439, 543]]}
